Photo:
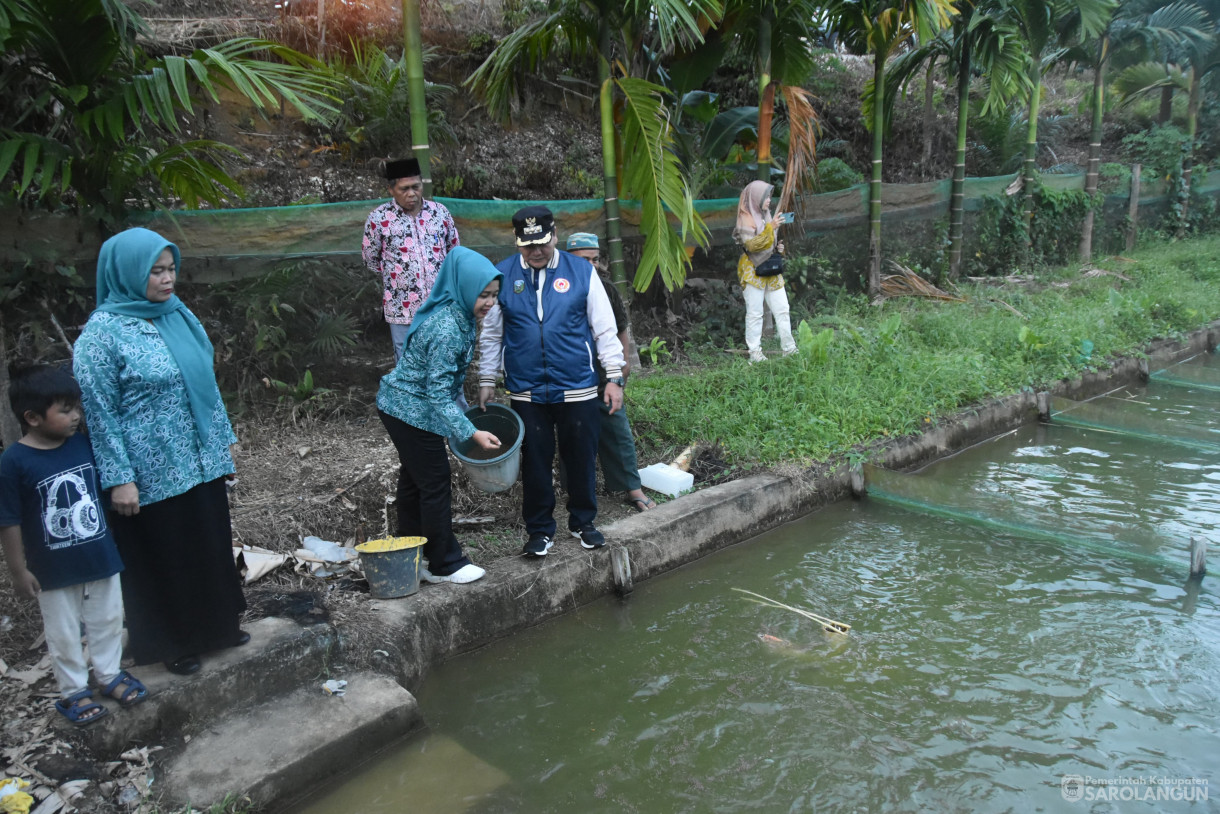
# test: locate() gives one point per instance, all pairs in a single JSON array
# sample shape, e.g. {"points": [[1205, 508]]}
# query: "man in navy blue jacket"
{"points": [[552, 325]]}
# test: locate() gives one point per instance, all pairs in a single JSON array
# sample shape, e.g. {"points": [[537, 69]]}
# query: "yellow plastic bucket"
{"points": [[392, 565]]}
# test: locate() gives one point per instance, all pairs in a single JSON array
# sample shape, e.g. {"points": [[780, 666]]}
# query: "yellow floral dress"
{"points": [[745, 269]]}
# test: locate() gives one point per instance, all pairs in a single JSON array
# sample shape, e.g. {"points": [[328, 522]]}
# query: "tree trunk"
{"points": [[929, 114], [957, 189], [1031, 151], [321, 29], [1091, 179], [1166, 112], [413, 50], [1188, 149], [614, 223], [874, 187], [10, 428], [1133, 208], [766, 95]]}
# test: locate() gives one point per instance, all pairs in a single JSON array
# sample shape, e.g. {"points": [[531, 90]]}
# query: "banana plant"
{"points": [[87, 111]]}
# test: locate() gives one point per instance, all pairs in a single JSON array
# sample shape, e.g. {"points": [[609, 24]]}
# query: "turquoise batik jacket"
{"points": [[139, 417], [422, 388]]}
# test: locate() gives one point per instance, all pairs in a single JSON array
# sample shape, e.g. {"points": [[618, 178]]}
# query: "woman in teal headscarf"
{"points": [[162, 438], [418, 403]]}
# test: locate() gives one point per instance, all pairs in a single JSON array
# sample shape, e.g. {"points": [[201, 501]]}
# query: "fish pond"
{"points": [[1024, 637]]}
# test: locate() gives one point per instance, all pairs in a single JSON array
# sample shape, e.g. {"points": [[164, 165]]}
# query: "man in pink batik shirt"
{"points": [[405, 241]]}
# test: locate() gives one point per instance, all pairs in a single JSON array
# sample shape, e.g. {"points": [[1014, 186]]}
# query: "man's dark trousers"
{"points": [[578, 424]]}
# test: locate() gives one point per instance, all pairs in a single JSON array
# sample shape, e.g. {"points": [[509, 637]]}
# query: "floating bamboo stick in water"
{"points": [[829, 625]]}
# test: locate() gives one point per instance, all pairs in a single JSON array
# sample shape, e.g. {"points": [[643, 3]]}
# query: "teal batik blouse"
{"points": [[423, 387], [138, 412]]}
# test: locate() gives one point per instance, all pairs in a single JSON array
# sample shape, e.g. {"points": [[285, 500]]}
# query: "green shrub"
{"points": [[835, 174], [1113, 178], [1158, 150], [375, 115]]}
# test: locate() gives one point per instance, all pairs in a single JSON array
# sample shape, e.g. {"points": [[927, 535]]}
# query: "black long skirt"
{"points": [[182, 594]]}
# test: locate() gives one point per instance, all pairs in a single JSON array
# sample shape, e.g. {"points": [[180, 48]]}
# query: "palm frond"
{"points": [[803, 129], [676, 22], [332, 333], [191, 171], [302, 81], [1148, 77], [998, 51], [1093, 15], [652, 175], [41, 160], [527, 47]]}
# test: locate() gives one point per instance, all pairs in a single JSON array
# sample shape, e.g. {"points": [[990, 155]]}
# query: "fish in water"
{"points": [[785, 648]]}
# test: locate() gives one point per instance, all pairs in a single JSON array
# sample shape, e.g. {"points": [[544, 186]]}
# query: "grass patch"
{"points": [[867, 371]]}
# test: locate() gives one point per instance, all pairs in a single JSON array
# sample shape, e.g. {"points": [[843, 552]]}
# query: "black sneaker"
{"points": [[589, 537], [537, 545]]}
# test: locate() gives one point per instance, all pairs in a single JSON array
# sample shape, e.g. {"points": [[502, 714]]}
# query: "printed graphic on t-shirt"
{"points": [[70, 515]]}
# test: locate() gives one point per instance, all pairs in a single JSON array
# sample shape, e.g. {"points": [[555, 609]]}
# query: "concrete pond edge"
{"points": [[241, 687]]}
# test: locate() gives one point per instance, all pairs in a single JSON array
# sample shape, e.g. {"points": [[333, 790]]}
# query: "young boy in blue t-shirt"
{"points": [[57, 544]]}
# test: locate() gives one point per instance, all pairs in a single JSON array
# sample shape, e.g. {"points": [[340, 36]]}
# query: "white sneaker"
{"points": [[757, 356], [467, 573]]}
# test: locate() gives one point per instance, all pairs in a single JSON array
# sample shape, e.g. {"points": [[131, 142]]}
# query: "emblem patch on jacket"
{"points": [[561, 285], [518, 286]]}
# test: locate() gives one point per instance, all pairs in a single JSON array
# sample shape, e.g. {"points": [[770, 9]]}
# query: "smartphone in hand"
{"points": [[786, 217]]}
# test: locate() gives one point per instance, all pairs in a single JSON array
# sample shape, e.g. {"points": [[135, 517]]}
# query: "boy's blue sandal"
{"points": [[126, 689], [81, 709]]}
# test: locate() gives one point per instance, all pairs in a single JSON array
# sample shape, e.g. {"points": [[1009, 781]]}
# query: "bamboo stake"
{"points": [[829, 625]]}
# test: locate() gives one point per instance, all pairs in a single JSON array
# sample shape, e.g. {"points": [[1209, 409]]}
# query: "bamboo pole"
{"points": [[413, 51], [605, 101], [829, 625]]}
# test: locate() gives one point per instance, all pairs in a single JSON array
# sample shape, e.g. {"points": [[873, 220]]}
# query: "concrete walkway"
{"points": [[260, 723]]}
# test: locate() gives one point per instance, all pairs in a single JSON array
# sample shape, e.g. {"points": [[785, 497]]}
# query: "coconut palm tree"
{"points": [[86, 113], [776, 35], [1189, 60], [626, 38], [979, 38], [880, 28], [1044, 25], [1136, 31]]}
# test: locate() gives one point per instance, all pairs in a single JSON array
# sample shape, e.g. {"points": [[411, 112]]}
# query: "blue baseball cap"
{"points": [[582, 240]]}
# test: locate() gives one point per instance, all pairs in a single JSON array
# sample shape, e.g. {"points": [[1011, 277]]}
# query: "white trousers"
{"points": [[777, 301], [99, 605]]}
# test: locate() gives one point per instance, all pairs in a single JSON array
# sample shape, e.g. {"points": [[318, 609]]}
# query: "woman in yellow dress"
{"points": [[756, 232]]}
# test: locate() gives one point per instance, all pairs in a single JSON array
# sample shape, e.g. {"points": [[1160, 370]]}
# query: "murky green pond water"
{"points": [[982, 666]]}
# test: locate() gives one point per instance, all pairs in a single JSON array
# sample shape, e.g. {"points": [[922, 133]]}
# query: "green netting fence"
{"points": [[228, 243]]}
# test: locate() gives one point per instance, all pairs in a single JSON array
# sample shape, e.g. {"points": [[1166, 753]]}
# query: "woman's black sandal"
{"points": [[184, 665]]}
